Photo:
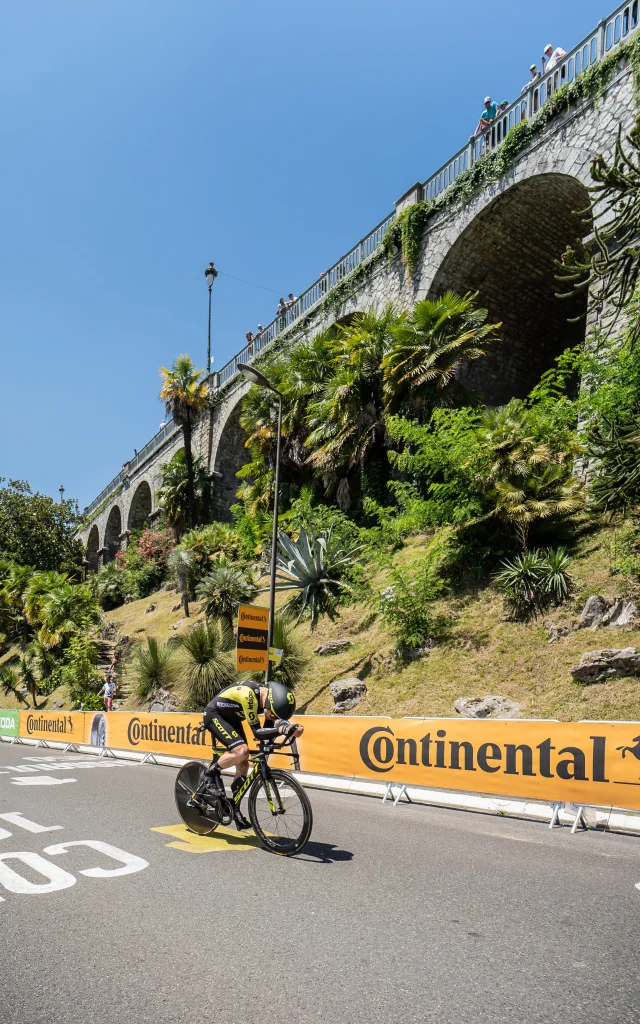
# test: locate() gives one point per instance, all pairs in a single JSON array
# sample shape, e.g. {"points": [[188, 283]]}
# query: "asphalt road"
{"points": [[405, 914]]}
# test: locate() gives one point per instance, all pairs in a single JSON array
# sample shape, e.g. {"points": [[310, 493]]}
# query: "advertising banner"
{"points": [[66, 726], [9, 723], [574, 762], [252, 638]]}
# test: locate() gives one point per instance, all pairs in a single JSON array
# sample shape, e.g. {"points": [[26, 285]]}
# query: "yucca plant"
{"points": [[559, 583], [522, 581], [181, 564], [10, 684], [154, 667], [210, 666], [223, 589], [315, 567], [294, 660]]}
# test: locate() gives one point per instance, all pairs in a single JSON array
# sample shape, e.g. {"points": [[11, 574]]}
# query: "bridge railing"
{"points": [[163, 435], [313, 295], [596, 45]]}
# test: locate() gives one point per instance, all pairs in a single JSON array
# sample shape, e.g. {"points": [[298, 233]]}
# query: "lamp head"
{"points": [[255, 377], [210, 274]]}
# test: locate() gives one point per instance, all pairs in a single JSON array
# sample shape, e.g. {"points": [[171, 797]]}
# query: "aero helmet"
{"points": [[280, 701]]}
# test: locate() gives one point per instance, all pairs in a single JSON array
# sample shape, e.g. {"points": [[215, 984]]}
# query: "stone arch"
{"points": [[140, 507], [507, 254], [112, 534], [93, 547], [230, 456]]}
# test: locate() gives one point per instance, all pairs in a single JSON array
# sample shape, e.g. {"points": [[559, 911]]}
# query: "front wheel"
{"points": [[280, 813], [187, 781]]}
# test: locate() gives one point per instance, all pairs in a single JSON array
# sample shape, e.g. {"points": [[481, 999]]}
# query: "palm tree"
{"points": [[430, 347], [223, 589], [10, 684], [185, 395], [182, 564], [210, 665], [28, 675], [154, 667], [346, 418], [172, 493]]}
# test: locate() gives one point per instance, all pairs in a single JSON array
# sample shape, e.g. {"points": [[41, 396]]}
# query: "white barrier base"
{"points": [[554, 814]]}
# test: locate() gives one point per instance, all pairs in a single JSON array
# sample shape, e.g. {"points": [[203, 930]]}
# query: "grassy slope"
{"points": [[484, 655]]}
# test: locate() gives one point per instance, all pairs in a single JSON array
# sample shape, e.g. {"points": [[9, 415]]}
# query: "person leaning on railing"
{"points": [[535, 76], [249, 343], [551, 57], [487, 117]]}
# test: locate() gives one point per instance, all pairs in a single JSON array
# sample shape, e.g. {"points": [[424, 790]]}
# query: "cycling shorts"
{"points": [[227, 731]]}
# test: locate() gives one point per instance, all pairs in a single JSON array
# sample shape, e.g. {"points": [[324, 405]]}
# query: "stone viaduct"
{"points": [[502, 242]]}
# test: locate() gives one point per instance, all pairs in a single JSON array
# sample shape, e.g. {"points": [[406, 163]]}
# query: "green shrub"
{"points": [[210, 665], [154, 667], [530, 583], [406, 605]]}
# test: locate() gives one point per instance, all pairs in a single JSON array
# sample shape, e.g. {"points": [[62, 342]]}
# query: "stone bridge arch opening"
{"points": [[93, 547], [507, 254], [112, 534], [231, 456], [141, 506]]}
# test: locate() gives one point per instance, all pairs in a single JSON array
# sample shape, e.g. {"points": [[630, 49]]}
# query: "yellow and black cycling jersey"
{"points": [[240, 699]]}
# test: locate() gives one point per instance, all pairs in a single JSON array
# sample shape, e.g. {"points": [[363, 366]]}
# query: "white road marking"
{"points": [[18, 818], [130, 861], [11, 880], [41, 780]]}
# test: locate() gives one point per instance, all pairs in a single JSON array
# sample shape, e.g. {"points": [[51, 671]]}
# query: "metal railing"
{"points": [[313, 295], [166, 432], [596, 45]]}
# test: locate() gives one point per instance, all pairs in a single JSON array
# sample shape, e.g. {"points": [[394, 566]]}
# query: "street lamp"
{"points": [[210, 275], [61, 489], [255, 377]]}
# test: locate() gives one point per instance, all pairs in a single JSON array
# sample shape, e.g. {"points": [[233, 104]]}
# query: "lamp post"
{"points": [[255, 377], [61, 489], [210, 275]]}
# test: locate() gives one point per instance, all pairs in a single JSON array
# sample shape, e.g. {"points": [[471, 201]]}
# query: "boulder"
{"points": [[347, 693], [607, 611], [129, 598], [333, 647], [177, 607], [609, 663], [162, 700], [593, 612], [150, 608], [487, 707], [555, 632]]}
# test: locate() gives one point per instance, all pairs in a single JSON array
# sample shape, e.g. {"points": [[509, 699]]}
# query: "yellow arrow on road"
{"points": [[221, 839]]}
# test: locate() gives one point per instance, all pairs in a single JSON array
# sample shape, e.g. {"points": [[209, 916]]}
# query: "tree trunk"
{"points": [[188, 458], [182, 581]]}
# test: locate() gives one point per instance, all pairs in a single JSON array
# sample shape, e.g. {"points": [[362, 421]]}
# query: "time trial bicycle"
{"points": [[279, 809]]}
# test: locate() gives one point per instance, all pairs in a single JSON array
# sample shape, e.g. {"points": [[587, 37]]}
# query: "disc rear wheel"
{"points": [[203, 822], [280, 813]]}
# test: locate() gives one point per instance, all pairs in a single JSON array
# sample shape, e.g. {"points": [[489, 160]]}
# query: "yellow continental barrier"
{"points": [[580, 762]]}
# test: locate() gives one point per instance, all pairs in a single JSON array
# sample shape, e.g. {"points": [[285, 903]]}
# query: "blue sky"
{"points": [[141, 140]]}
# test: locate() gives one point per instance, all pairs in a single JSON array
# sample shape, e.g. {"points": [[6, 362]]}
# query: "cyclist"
{"points": [[223, 717]]}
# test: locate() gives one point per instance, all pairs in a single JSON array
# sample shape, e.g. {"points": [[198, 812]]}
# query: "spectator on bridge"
{"points": [[551, 57], [258, 337], [292, 298], [535, 75], [280, 313], [249, 342], [108, 690], [487, 117]]}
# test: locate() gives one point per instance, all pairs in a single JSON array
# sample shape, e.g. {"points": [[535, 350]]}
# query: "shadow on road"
{"points": [[323, 853]]}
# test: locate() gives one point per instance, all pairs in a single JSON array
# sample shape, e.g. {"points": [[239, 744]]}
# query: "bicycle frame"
{"points": [[260, 765]]}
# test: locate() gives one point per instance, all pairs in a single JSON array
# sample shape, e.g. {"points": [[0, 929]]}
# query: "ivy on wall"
{"points": [[87, 520], [406, 232]]}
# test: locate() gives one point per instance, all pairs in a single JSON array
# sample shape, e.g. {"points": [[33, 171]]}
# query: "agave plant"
{"points": [[522, 582], [210, 666], [315, 567], [155, 667], [223, 590]]}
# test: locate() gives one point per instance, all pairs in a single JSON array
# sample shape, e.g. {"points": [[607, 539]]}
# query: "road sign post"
{"points": [[252, 638]]}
